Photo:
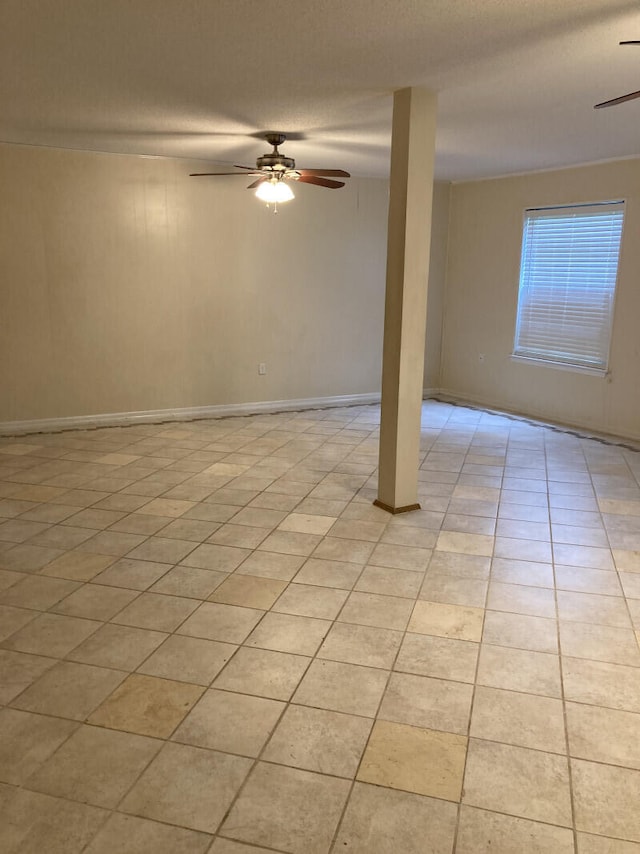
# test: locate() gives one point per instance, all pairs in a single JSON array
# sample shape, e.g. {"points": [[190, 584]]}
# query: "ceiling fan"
{"points": [[630, 97], [274, 169]]}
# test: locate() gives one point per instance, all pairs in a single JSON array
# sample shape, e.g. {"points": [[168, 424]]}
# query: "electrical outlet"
{"points": [[262, 368]]}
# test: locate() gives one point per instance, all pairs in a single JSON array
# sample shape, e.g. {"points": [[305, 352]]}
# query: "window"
{"points": [[567, 283]]}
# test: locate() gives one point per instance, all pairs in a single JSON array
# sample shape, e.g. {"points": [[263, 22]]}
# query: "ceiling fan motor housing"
{"points": [[275, 162]]}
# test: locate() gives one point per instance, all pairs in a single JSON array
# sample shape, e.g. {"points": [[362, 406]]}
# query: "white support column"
{"points": [[408, 243]]}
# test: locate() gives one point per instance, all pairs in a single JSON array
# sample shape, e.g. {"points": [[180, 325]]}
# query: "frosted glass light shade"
{"points": [[274, 191]]}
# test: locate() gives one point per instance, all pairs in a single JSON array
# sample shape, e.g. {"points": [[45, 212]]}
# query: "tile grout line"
{"points": [[475, 676], [334, 840], [572, 803]]}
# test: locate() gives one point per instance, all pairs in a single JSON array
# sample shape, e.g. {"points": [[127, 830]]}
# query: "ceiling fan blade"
{"points": [[630, 97], [328, 173], [250, 168], [320, 182], [630, 42], [256, 183], [201, 174]]}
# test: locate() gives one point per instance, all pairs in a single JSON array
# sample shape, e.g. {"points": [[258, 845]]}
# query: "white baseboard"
{"points": [[190, 413], [448, 396], [451, 396]]}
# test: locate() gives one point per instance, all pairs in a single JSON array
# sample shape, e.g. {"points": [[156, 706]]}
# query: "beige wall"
{"points": [[481, 299], [126, 286]]}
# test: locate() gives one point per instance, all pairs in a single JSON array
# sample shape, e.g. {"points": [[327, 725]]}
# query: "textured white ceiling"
{"points": [[517, 79]]}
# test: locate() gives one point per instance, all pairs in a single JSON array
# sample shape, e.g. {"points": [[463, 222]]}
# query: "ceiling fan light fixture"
{"points": [[274, 191]]}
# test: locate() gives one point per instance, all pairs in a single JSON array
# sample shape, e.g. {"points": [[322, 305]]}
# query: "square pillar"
{"points": [[408, 244]]}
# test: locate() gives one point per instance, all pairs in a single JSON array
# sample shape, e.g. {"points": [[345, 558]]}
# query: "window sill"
{"points": [[561, 366]]}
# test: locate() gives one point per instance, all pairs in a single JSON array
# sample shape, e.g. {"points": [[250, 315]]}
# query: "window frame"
{"points": [[565, 365]]}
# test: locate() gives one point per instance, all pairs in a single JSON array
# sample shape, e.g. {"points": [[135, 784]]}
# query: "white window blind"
{"points": [[567, 283]]}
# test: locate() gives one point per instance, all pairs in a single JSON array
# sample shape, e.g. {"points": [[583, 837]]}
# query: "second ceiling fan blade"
{"points": [[621, 100], [244, 174], [256, 183], [201, 174], [320, 182], [328, 173]]}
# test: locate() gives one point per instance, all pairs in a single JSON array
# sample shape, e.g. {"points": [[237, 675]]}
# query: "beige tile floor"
{"points": [[211, 641]]}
